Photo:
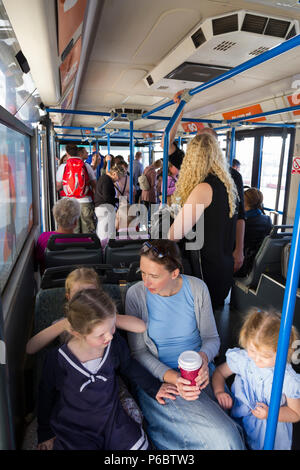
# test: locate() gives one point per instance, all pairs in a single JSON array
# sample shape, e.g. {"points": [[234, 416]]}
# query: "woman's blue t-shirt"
{"points": [[172, 324]]}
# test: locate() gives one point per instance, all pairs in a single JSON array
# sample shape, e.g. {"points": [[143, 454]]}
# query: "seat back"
{"points": [[86, 251], [121, 253], [268, 257]]}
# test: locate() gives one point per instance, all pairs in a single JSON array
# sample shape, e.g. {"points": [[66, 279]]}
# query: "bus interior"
{"points": [[104, 73]]}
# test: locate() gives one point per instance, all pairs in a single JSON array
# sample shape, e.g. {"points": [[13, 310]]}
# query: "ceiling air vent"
{"points": [[277, 28], [259, 50], [198, 38], [224, 46], [254, 23], [226, 24], [291, 33], [193, 72], [149, 80]]}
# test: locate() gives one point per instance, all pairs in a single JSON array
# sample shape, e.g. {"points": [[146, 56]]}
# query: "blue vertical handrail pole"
{"points": [[131, 157], [261, 146], [108, 150], [166, 149], [179, 141], [232, 146], [289, 302], [41, 181]]}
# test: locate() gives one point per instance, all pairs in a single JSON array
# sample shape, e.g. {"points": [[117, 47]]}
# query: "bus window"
{"points": [[271, 154], [244, 154]]}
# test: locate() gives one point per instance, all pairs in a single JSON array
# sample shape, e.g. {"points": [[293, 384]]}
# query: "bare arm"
{"points": [[290, 413], [130, 323], [173, 131], [221, 373], [44, 337], [199, 199], [238, 253]]}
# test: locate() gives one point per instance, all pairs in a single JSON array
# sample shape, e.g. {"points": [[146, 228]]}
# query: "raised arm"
{"points": [[173, 131], [44, 337], [130, 323]]}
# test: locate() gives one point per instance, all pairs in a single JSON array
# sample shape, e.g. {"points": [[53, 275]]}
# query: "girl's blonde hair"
{"points": [[84, 275], [204, 156], [88, 308], [262, 327]]}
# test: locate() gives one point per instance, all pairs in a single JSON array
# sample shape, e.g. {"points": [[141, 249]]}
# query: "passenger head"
{"points": [[72, 150], [204, 157], [259, 336], [92, 316], [160, 264], [82, 153], [138, 155], [208, 130], [81, 279], [236, 164], [116, 172], [63, 159], [66, 212], [158, 164], [253, 199], [175, 162]]}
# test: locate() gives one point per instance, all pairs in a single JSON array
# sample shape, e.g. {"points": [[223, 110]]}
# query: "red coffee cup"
{"points": [[189, 363]]}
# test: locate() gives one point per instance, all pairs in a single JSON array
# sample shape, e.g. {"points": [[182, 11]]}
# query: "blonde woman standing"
{"points": [[207, 196]]}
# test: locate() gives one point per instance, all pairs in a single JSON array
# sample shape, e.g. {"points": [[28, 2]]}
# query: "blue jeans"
{"points": [[189, 425]]}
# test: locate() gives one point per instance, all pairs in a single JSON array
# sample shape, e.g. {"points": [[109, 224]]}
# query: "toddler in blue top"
{"points": [[254, 369]]}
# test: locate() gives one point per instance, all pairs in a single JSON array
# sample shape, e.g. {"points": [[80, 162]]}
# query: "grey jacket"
{"points": [[144, 349]]}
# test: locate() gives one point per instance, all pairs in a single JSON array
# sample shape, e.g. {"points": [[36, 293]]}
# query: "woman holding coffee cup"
{"points": [[178, 313]]}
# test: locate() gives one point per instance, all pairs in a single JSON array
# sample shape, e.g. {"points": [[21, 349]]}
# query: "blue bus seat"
{"points": [[268, 257], [64, 254]]}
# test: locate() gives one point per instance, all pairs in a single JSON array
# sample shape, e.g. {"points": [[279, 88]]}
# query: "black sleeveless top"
{"points": [[214, 261]]}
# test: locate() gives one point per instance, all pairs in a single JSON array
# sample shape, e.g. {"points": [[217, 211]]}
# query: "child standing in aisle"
{"points": [[254, 369]]}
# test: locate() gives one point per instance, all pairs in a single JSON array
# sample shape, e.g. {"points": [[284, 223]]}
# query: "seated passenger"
{"points": [[66, 213], [179, 317], [79, 279], [253, 366], [79, 406], [257, 227]]}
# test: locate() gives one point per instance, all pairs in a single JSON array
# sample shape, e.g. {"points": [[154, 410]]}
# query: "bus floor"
{"points": [[229, 321]]}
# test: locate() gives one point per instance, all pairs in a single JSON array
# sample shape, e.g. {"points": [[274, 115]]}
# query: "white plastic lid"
{"points": [[190, 360]]}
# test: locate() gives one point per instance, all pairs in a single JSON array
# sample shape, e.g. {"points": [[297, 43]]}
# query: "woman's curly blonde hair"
{"points": [[204, 156]]}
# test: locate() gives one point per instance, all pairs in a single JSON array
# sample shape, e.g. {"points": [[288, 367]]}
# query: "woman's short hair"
{"points": [[163, 252], [254, 198], [66, 212]]}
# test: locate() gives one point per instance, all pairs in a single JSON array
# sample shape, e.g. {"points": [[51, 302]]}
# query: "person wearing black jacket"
{"points": [[106, 201]]}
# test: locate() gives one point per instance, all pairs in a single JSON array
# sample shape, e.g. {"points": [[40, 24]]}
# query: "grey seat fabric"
{"points": [[267, 259]]}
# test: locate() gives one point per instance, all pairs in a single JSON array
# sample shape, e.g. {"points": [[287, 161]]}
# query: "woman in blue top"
{"points": [[178, 313], [254, 369]]}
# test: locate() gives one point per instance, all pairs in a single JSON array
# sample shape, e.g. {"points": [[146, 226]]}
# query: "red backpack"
{"points": [[75, 179]]}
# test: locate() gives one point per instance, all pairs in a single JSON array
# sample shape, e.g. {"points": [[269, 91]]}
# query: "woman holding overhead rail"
{"points": [[179, 317]]}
